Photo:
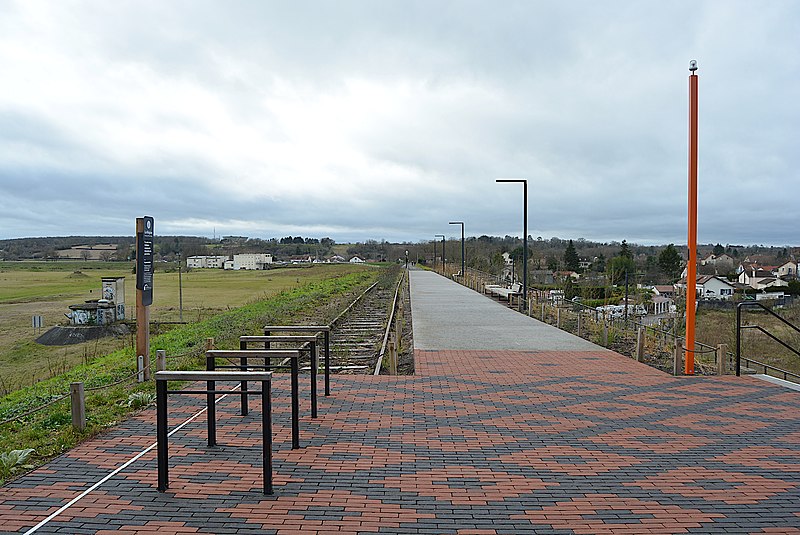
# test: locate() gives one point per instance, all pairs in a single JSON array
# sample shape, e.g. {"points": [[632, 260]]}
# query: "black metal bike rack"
{"points": [[162, 395], [306, 344], [245, 357], [316, 329]]}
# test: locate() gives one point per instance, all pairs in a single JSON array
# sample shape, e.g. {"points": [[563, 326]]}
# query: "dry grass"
{"points": [[719, 327], [27, 290]]}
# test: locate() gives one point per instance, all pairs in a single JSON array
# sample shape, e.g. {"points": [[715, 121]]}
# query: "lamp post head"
{"points": [[693, 66]]}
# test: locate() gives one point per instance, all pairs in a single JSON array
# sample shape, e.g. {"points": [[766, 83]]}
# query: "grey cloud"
{"points": [[586, 100]]}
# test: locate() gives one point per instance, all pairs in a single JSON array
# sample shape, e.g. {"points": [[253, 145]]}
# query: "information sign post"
{"points": [[144, 289]]}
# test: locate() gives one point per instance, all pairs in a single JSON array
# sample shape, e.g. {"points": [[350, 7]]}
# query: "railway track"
{"points": [[357, 334]]}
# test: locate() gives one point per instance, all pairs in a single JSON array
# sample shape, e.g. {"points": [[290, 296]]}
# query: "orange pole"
{"points": [[691, 268]]}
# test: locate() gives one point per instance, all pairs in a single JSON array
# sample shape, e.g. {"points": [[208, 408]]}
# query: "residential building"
{"points": [[249, 261], [787, 270], [760, 279], [213, 262], [664, 290], [713, 260], [356, 260], [709, 287]]}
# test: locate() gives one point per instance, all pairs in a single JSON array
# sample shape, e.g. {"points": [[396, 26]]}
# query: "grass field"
{"points": [[48, 288]]}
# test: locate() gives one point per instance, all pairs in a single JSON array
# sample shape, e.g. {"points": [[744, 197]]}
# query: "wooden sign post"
{"points": [[144, 289]]}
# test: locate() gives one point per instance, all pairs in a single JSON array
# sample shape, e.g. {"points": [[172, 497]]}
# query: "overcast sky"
{"points": [[385, 120]]}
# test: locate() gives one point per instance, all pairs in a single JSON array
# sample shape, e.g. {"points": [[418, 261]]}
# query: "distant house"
{"points": [[709, 287], [356, 260], [769, 282], [760, 279], [664, 290], [564, 274], [306, 259], [713, 260], [787, 270], [336, 259], [584, 264]]}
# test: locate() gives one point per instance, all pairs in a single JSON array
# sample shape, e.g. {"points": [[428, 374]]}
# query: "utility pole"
{"points": [[443, 258], [180, 287]]}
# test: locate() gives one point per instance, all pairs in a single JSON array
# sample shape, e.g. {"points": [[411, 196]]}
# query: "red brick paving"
{"points": [[478, 442]]}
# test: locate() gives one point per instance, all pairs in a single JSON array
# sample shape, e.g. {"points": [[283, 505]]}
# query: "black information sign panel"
{"points": [[144, 261]]}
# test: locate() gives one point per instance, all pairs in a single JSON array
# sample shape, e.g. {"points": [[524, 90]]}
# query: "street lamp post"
{"points": [[463, 274], [524, 182], [691, 266], [443, 257]]}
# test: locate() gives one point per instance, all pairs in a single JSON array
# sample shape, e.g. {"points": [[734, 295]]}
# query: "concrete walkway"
{"points": [[503, 429], [450, 316]]}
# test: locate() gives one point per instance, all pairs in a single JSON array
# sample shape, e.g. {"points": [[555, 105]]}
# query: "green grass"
{"points": [[49, 431]]}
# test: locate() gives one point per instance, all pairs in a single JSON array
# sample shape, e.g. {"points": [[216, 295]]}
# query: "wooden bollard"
{"points": [[579, 323], [542, 311], [558, 317], [209, 344], [722, 359], [161, 360], [640, 344], [605, 334], [78, 402], [392, 354], [677, 357]]}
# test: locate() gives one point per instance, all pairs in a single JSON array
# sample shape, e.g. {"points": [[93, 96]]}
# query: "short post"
{"points": [[722, 359], [558, 317], [542, 311], [392, 353], [161, 360], [314, 369], [211, 399], [76, 395], [640, 344], [327, 336], [677, 357], [398, 325], [605, 333], [579, 323], [266, 435], [162, 435], [140, 367]]}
